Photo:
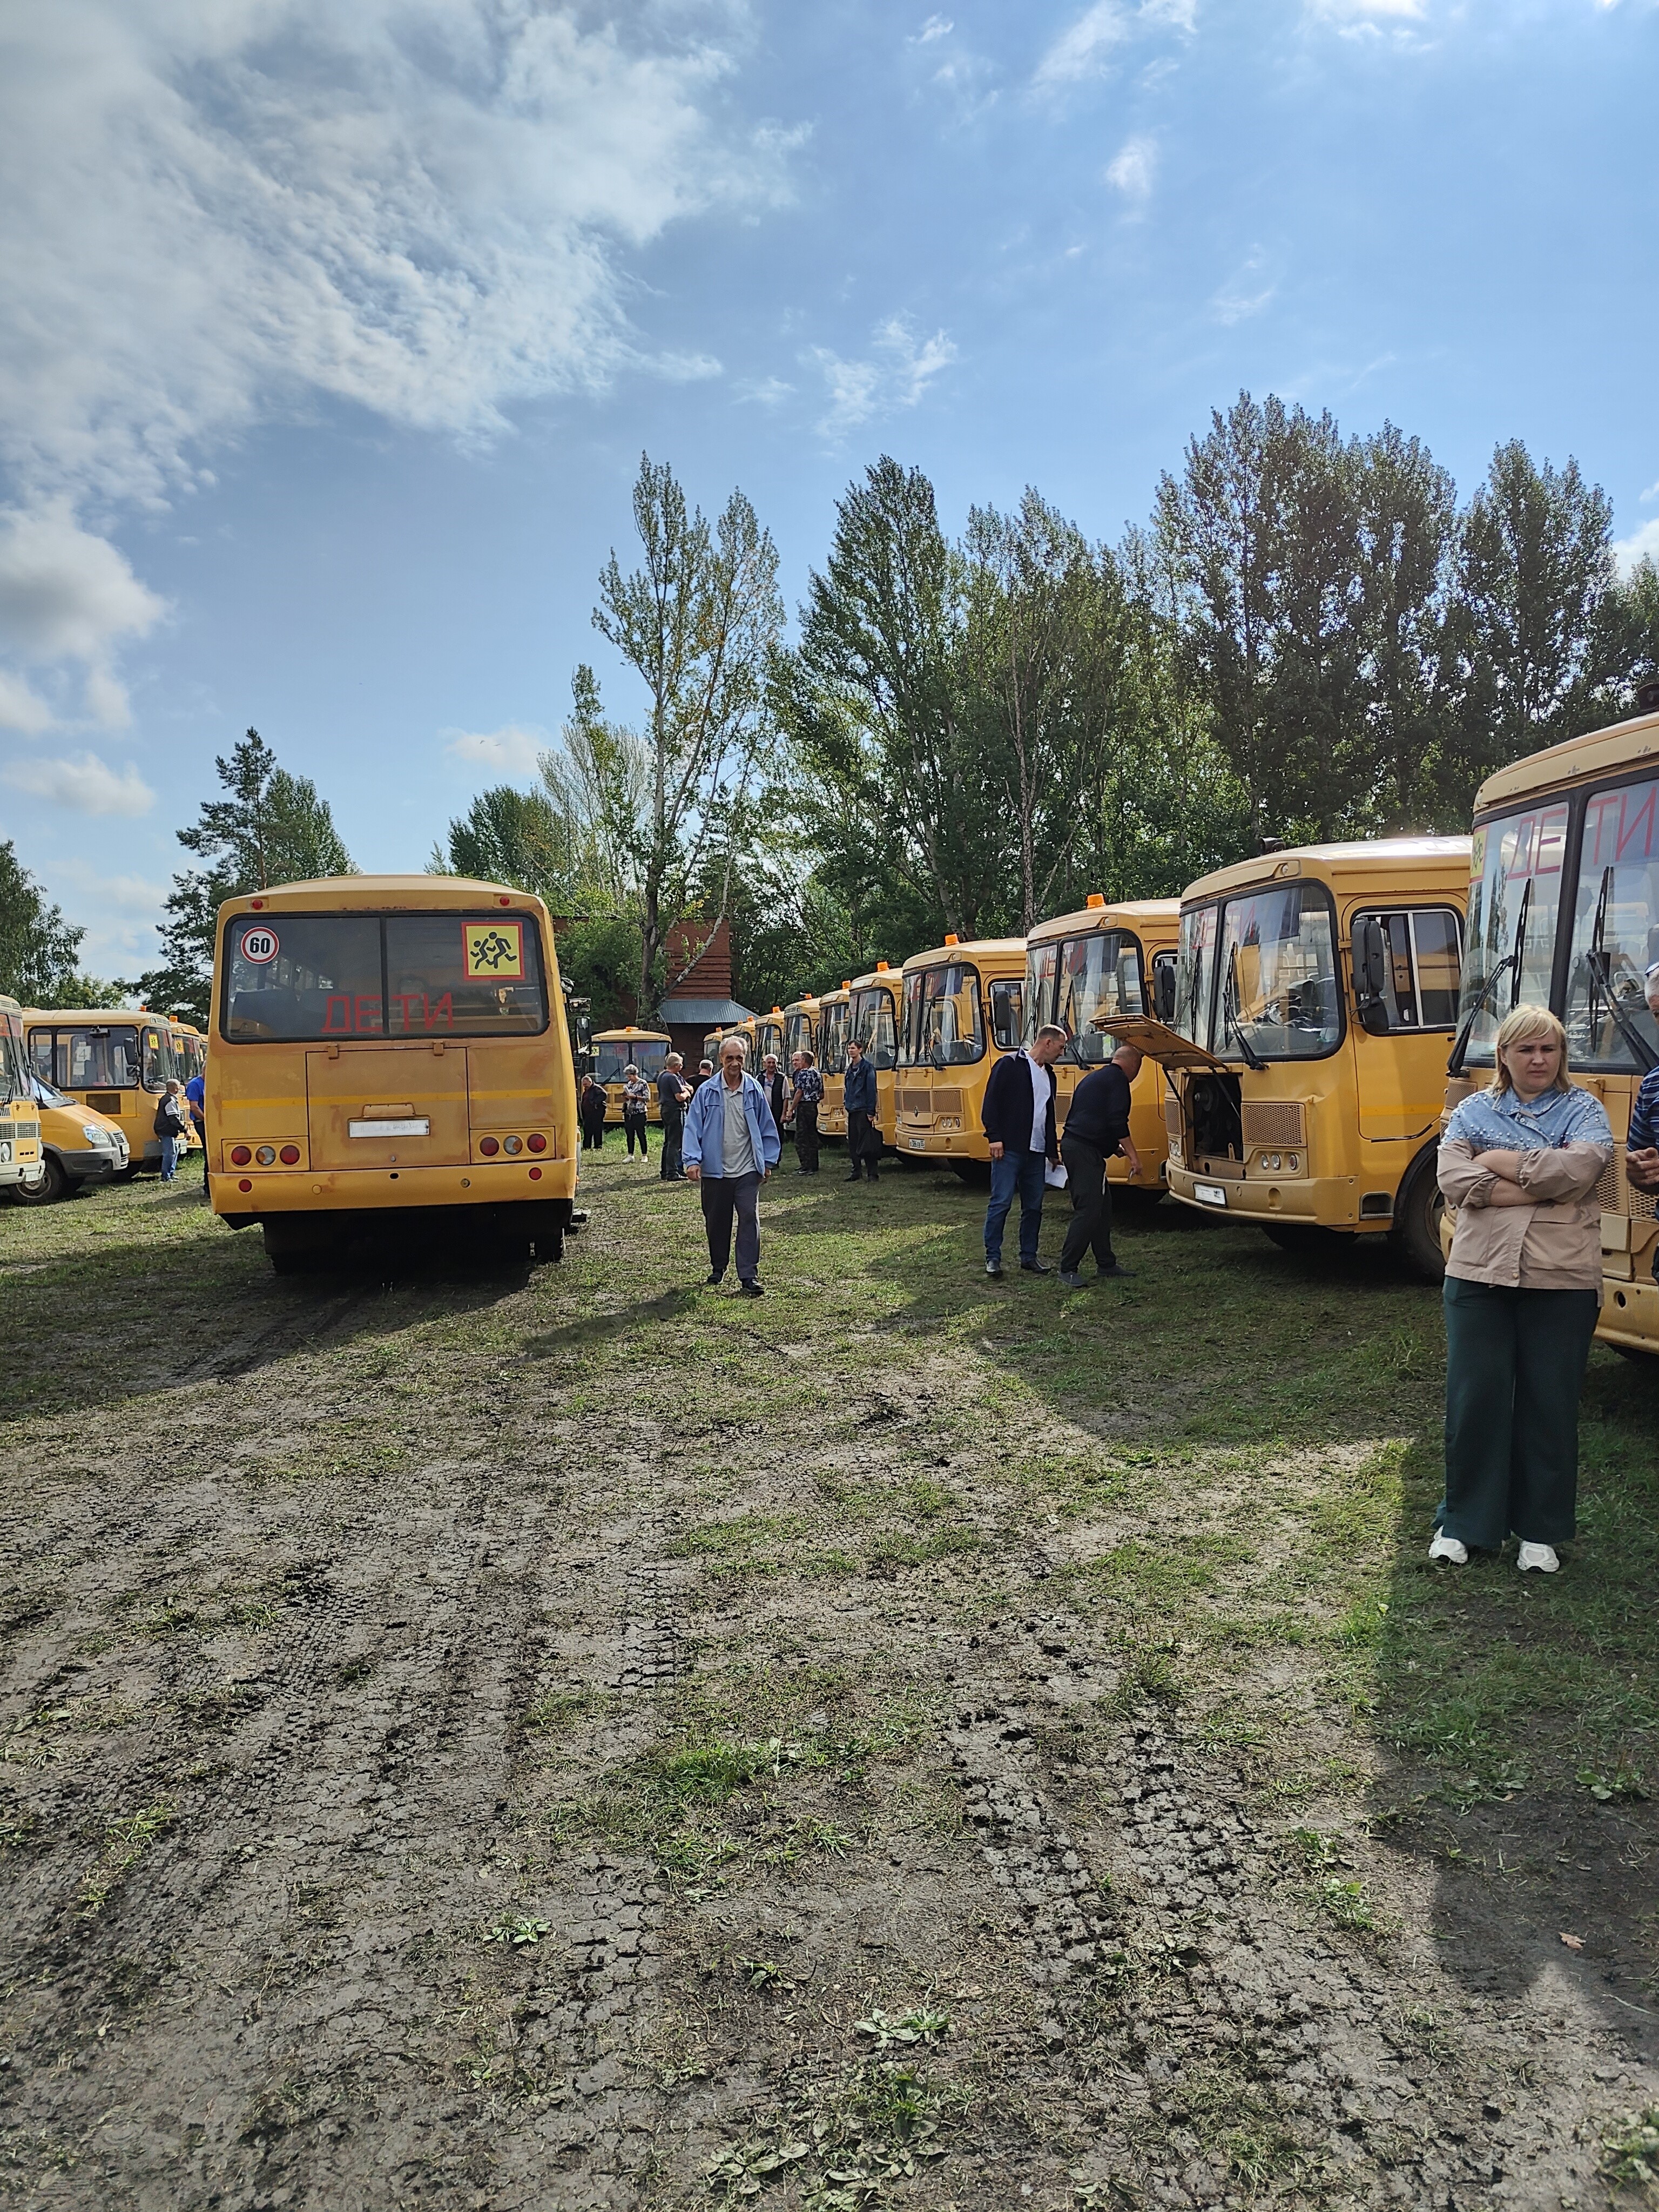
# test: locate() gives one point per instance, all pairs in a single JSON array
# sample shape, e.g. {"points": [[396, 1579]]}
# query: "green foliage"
{"points": [[39, 948], [272, 828], [601, 959]]}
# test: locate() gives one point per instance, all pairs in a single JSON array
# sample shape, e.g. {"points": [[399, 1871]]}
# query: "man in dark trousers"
{"points": [[672, 1091], [731, 1147], [776, 1085], [1018, 1118], [805, 1098], [859, 1092], [1097, 1128]]}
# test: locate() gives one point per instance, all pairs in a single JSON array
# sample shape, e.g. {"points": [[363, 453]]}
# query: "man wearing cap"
{"points": [[1642, 1153]]}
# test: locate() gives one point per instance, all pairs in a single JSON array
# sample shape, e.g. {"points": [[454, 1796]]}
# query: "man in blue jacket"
{"points": [[730, 1148], [858, 1093], [1017, 1116]]}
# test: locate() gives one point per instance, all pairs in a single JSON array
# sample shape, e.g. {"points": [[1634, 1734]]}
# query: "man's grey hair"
{"points": [[1050, 1030], [629, 1069], [732, 1044], [673, 1061]]}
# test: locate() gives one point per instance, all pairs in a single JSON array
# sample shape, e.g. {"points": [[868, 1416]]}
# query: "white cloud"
{"points": [[21, 708], [1642, 544], [765, 390], [1130, 171], [895, 376], [1366, 11], [1083, 48], [1243, 295], [510, 752], [64, 592], [936, 27], [124, 895], [85, 785]]}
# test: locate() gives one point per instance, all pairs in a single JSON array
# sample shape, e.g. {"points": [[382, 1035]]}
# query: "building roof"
{"points": [[709, 1011]]}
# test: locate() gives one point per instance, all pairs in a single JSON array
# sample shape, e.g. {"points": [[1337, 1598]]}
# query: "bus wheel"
{"points": [[52, 1185], [549, 1245], [294, 1263], [1416, 1210], [1299, 1236]]}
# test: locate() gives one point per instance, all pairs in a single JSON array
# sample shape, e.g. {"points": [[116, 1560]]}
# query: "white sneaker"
{"points": [[1541, 1556], [1449, 1547]]}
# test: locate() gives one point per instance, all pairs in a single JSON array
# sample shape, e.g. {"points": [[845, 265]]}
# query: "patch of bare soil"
{"points": [[557, 1744]]}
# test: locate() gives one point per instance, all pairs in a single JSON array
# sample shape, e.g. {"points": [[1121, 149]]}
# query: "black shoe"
{"points": [[872, 1177], [752, 1290], [1113, 1273], [1035, 1267], [714, 1282], [1071, 1282], [854, 1177], [993, 1269]]}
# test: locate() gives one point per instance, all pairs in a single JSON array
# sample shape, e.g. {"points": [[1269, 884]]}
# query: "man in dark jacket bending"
{"points": [[1097, 1127], [1018, 1118]]}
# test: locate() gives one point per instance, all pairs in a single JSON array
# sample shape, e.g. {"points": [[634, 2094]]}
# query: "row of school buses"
{"points": [[393, 1047], [80, 1088]]}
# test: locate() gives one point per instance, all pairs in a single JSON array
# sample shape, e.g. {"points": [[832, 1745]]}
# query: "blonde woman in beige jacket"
{"points": [[1520, 1162]]}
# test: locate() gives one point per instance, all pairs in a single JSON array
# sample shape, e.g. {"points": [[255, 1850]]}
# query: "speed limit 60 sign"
{"points": [[260, 945]]}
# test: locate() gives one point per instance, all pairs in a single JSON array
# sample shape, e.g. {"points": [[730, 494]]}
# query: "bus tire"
{"points": [[53, 1185], [1415, 1236], [294, 1263], [1299, 1236], [549, 1245]]}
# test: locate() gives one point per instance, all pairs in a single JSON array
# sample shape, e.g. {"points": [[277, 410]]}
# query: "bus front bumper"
{"points": [[1264, 1202], [380, 1190]]}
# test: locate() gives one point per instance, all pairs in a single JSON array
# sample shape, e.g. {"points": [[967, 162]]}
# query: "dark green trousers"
{"points": [[1514, 1363]]}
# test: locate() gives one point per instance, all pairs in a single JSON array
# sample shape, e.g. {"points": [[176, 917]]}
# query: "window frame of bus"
{"points": [[1087, 937], [1567, 940], [380, 916], [837, 1020], [16, 1073], [1479, 1052], [1015, 1036], [64, 1030], [966, 968], [1040, 988], [809, 1023], [875, 996], [1409, 914], [1229, 1047]]}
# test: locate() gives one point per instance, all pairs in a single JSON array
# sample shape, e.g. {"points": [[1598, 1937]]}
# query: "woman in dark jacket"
{"points": [[591, 1112]]}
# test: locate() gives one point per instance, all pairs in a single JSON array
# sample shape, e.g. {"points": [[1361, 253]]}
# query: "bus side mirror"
{"points": [[1371, 973], [1163, 995]]}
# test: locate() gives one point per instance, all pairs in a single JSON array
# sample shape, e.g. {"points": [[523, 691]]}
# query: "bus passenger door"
{"points": [[388, 1106]]}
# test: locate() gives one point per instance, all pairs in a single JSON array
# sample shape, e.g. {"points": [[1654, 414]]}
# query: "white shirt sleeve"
{"points": [[1039, 1104]]}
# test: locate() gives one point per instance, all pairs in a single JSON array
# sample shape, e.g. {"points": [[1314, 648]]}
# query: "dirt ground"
{"points": [[580, 1741]]}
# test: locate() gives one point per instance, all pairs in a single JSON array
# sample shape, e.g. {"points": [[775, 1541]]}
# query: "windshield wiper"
{"points": [[1510, 965], [1229, 1013], [1601, 985]]}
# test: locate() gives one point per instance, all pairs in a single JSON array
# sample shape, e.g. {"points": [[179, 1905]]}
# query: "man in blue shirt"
{"points": [[859, 1095], [196, 1099], [730, 1148], [1642, 1152]]}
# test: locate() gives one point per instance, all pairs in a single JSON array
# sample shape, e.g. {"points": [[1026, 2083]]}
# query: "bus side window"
{"points": [[1163, 986], [1407, 962], [1007, 1001]]}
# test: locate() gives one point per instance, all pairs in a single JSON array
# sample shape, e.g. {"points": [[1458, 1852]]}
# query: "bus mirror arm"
{"points": [[1370, 975], [1230, 1014]]}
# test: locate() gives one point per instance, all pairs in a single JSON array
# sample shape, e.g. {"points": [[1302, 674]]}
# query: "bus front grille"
{"points": [[1275, 1121], [1614, 1193]]}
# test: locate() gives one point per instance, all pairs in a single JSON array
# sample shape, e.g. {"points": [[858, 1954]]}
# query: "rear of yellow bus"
{"points": [[118, 1063], [390, 1052], [1315, 1005], [1084, 969], [874, 1023], [962, 1008], [22, 1160], [614, 1052], [1564, 912]]}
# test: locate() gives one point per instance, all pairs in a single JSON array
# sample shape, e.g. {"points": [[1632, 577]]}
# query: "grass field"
{"points": [[580, 1740]]}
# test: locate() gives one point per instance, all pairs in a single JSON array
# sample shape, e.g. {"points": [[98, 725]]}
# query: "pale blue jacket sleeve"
{"points": [[771, 1144], [696, 1121]]}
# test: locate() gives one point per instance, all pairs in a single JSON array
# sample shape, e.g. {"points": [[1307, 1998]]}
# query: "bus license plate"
{"points": [[1210, 1193], [918, 1143]]}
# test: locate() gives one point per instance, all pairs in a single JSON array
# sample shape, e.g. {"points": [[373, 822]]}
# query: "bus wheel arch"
{"points": [[1418, 1207], [52, 1184]]}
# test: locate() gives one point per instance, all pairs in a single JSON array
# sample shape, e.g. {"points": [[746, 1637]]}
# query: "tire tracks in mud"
{"points": [[1201, 2019]]}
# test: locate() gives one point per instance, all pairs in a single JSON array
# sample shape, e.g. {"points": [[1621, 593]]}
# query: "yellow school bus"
{"points": [[614, 1050], [769, 1037], [962, 1008], [874, 1023], [1117, 958], [801, 1030], [115, 1061], [390, 1049], [20, 1157], [1316, 996], [1564, 912], [835, 1027]]}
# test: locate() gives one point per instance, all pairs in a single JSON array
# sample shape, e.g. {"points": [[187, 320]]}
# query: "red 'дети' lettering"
{"points": [[362, 1015], [434, 1013]]}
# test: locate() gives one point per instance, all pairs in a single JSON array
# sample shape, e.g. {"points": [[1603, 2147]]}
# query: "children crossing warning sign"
{"points": [[493, 951]]}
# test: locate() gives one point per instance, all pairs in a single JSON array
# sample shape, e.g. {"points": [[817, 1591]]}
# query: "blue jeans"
{"points": [[1021, 1172], [170, 1148]]}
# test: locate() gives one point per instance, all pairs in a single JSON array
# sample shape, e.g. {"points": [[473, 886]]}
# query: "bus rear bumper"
{"points": [[1312, 1202], [388, 1190], [1630, 1315]]}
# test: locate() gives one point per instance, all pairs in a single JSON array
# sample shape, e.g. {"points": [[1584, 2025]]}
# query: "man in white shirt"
{"points": [[1018, 1118]]}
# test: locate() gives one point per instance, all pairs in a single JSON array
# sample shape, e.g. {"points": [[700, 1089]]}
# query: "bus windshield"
{"points": [[1276, 966], [1097, 976], [1195, 974], [1615, 930], [872, 1025], [15, 1073], [86, 1059], [298, 977], [952, 1032], [837, 1025], [612, 1054], [799, 1031], [1515, 863]]}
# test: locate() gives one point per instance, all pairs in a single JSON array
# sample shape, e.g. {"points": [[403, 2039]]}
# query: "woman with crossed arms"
{"points": [[1520, 1160]]}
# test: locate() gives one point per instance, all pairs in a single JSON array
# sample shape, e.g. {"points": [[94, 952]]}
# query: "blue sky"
{"points": [[331, 330]]}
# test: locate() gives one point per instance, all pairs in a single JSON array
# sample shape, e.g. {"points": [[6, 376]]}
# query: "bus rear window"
{"points": [[306, 977], [86, 1059]]}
